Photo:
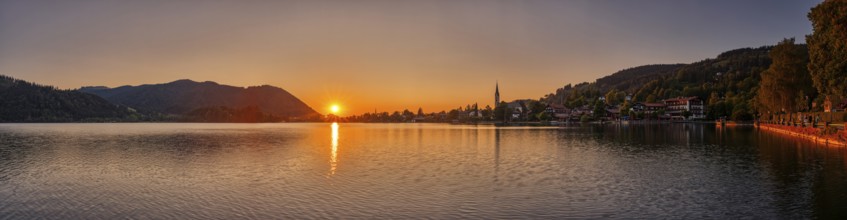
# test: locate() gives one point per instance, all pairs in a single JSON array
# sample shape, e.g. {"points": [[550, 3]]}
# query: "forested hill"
{"points": [[22, 101], [632, 78], [728, 83], [185, 96]]}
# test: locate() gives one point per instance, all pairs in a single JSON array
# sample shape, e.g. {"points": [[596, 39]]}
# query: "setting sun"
{"points": [[454, 109], [334, 108]]}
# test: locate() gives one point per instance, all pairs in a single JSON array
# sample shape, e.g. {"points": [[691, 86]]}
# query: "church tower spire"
{"points": [[496, 94]]}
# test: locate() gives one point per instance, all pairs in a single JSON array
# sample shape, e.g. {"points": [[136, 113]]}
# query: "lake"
{"points": [[397, 171]]}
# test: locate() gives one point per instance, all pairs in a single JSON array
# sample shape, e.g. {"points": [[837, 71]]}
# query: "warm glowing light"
{"points": [[333, 157], [335, 109]]}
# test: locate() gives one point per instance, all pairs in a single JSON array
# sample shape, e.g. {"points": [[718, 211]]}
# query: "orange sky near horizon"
{"points": [[378, 55]]}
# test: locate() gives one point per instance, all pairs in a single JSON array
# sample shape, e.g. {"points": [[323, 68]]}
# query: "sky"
{"points": [[377, 55]]}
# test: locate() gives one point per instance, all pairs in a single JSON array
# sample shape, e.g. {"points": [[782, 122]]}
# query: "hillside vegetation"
{"points": [[22, 101], [727, 83]]}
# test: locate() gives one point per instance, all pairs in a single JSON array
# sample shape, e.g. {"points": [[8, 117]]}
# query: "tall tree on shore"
{"points": [[828, 48], [786, 83]]}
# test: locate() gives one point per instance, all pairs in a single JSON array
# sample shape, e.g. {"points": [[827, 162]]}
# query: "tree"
{"points": [[542, 116], [407, 115], [827, 48], [599, 109], [651, 98], [786, 83], [639, 115], [537, 108], [584, 118], [396, 116], [487, 113], [741, 112], [714, 109], [420, 112], [612, 97], [686, 114]]}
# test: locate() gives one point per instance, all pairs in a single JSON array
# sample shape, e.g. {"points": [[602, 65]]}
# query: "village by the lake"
{"points": [[462, 109]]}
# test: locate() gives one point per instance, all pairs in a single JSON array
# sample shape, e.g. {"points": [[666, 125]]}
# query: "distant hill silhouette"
{"points": [[184, 97], [22, 101]]}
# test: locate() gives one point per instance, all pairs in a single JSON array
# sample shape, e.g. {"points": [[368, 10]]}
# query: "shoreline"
{"points": [[799, 132]]}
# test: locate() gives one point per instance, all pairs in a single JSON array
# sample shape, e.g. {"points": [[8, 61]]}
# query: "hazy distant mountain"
{"points": [[22, 101], [185, 96]]}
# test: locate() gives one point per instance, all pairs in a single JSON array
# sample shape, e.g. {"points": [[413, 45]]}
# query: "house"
{"points": [[613, 112], [649, 109], [677, 107], [578, 112], [638, 107], [475, 114], [418, 119], [558, 112], [519, 109], [654, 107], [556, 108]]}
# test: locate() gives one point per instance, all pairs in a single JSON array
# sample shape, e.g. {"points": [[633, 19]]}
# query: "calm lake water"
{"points": [[263, 171]]}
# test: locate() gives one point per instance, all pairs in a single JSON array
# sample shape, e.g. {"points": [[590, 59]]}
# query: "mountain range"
{"points": [[181, 100], [184, 96]]}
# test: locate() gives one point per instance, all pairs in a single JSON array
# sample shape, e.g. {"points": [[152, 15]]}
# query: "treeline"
{"points": [[22, 101], [249, 114], [470, 113], [810, 77], [534, 110]]}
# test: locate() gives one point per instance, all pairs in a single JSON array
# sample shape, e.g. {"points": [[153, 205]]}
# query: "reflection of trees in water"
{"points": [[803, 175], [652, 134], [806, 175]]}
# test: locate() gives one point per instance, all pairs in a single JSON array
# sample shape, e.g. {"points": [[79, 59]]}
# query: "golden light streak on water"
{"points": [[333, 158]]}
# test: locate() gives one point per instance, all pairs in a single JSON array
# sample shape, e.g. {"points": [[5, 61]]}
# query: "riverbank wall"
{"points": [[825, 135]]}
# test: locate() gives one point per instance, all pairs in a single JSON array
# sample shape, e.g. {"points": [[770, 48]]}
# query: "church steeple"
{"points": [[496, 94]]}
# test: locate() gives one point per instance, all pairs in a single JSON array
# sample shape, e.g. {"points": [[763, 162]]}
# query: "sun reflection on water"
{"points": [[333, 157]]}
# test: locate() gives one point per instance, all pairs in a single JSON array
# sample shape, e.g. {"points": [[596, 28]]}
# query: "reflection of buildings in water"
{"points": [[496, 175], [669, 133], [333, 157], [496, 148], [690, 132], [720, 134]]}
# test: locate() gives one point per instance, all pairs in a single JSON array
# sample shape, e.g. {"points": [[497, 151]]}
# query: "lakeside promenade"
{"points": [[826, 132]]}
